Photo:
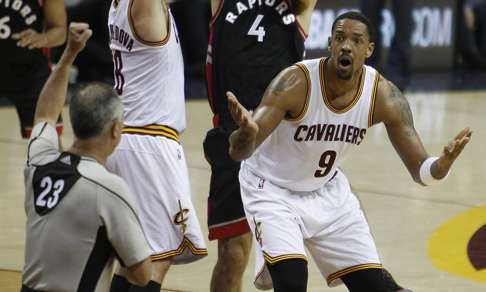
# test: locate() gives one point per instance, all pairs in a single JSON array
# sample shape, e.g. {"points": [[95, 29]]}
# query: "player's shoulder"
{"points": [[387, 91], [389, 100]]}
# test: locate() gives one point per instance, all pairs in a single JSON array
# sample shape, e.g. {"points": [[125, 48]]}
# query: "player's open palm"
{"points": [[453, 150], [79, 33], [241, 115]]}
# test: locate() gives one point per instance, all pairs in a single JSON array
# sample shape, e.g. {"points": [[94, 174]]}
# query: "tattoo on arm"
{"points": [[284, 83], [406, 117]]}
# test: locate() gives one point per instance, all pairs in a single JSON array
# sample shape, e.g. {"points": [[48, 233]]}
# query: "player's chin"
{"points": [[344, 74]]}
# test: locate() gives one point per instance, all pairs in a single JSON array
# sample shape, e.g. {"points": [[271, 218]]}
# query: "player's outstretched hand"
{"points": [[78, 35], [241, 115], [452, 151], [30, 39]]}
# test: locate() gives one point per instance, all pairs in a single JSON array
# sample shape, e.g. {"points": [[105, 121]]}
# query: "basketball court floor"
{"points": [[431, 239]]}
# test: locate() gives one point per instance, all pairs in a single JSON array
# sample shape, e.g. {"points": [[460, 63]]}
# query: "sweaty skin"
{"points": [[286, 94]]}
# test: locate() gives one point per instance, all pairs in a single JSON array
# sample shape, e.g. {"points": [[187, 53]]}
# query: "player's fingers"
{"points": [[24, 42], [459, 146], [25, 33], [464, 132], [87, 34], [463, 143], [78, 27], [449, 148], [244, 122], [231, 97]]}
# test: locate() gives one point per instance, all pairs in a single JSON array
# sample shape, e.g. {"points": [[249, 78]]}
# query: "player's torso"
{"points": [[250, 42], [17, 62], [59, 200], [149, 76], [303, 154]]}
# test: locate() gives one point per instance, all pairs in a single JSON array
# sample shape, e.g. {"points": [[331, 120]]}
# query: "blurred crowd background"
{"points": [[421, 44]]}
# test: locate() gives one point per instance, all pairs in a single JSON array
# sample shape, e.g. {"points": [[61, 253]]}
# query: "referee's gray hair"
{"points": [[92, 108]]}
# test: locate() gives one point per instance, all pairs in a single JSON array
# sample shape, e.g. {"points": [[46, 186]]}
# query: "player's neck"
{"points": [[336, 86], [90, 148]]}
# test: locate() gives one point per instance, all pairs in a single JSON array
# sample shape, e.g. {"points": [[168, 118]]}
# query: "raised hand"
{"points": [[78, 35], [241, 115], [451, 152]]}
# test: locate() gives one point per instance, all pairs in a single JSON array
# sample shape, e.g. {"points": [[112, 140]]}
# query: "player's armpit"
{"points": [[393, 110], [149, 21]]}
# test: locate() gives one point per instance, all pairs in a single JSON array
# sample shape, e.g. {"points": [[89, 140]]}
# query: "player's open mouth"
{"points": [[345, 61]]}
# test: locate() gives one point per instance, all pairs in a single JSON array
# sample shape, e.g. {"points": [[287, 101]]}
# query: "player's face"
{"points": [[349, 46]]}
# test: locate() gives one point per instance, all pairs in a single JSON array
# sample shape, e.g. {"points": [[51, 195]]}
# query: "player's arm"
{"points": [[303, 9], [55, 28], [393, 110], [149, 20], [285, 97], [53, 94], [214, 6]]}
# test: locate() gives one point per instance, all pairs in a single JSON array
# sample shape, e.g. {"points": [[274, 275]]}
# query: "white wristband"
{"points": [[426, 174]]}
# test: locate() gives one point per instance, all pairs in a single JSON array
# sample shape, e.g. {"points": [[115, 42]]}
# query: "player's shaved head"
{"points": [[355, 15], [92, 108]]}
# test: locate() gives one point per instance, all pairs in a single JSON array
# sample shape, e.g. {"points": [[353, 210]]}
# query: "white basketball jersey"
{"points": [[303, 154], [149, 76]]}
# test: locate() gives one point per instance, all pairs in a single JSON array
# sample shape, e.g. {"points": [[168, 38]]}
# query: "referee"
{"points": [[79, 216]]}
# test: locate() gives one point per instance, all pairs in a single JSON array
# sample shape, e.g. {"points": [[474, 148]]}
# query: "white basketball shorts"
{"points": [[328, 222], [155, 170]]}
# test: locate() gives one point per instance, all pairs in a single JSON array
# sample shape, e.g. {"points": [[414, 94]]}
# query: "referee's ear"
{"points": [[116, 131]]}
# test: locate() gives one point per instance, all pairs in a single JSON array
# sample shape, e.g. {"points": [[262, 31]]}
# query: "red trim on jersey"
{"points": [[209, 76], [301, 28], [59, 129], [299, 25], [47, 53], [229, 230], [216, 120], [215, 16]]}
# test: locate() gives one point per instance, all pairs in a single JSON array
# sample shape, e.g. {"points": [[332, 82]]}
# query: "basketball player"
{"points": [[74, 206], [250, 42], [293, 191], [149, 79], [27, 29]]}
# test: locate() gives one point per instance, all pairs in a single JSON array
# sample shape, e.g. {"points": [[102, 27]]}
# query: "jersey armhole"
{"points": [[140, 39], [302, 113], [373, 99]]}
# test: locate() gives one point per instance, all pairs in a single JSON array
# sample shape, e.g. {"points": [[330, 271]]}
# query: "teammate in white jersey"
{"points": [[293, 192], [149, 78]]}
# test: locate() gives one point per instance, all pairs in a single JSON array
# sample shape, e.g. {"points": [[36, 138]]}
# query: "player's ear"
{"points": [[329, 39], [370, 49]]}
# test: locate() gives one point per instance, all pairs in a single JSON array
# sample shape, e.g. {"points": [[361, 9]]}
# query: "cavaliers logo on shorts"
{"points": [[181, 218], [459, 245]]}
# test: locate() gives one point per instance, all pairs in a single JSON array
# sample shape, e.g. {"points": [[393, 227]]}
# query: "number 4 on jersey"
{"points": [[257, 30]]}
